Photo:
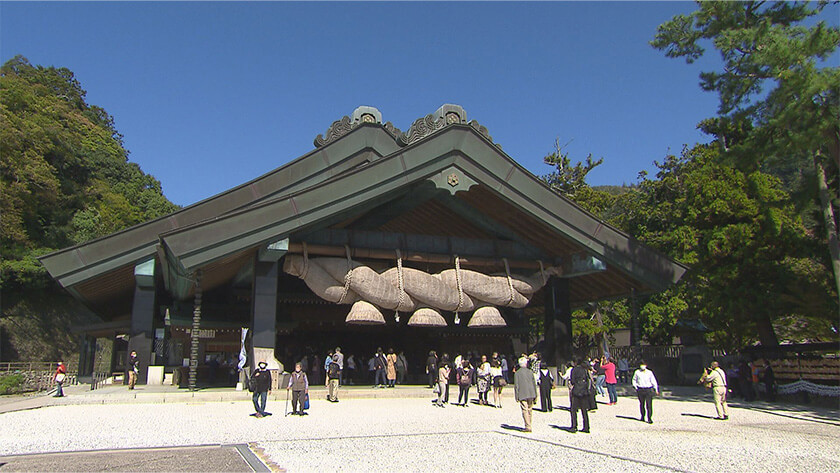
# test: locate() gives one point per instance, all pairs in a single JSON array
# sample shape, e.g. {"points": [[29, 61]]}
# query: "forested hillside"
{"points": [[66, 179]]}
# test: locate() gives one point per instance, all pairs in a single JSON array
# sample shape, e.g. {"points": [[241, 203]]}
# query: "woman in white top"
{"points": [[498, 382]]}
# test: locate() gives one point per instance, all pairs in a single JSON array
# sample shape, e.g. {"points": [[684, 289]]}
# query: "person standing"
{"points": [[609, 380], [646, 387], [133, 367], [340, 360], [464, 382], [351, 369], [505, 369], [498, 382], [391, 367], [402, 368], [379, 363], [334, 377], [261, 382], [716, 378], [525, 391], [442, 379], [546, 382], [483, 380], [431, 368], [327, 362], [600, 375], [59, 378], [299, 385], [580, 394], [623, 370]]}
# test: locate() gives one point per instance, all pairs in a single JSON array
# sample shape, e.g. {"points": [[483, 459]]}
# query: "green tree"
{"points": [[65, 178], [779, 100]]}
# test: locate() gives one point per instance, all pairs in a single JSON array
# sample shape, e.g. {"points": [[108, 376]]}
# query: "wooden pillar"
{"points": [[196, 326], [264, 312], [141, 336], [558, 322]]}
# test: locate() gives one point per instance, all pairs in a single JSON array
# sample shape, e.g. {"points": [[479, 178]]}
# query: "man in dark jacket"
{"points": [[133, 368], [580, 382], [525, 391], [261, 384]]}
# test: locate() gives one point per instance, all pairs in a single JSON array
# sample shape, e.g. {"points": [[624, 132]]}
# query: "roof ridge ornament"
{"points": [[339, 128], [446, 115]]}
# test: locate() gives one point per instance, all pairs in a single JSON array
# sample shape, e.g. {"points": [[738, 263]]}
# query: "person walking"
{"points": [[646, 387], [483, 380], [391, 368], [464, 382], [525, 391], [442, 380], [498, 381], [609, 380], [715, 378], [299, 385], [546, 383], [431, 367], [59, 378], [133, 367], [334, 378], [580, 394], [261, 385]]}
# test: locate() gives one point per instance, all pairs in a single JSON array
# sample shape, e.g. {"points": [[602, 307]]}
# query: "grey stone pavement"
{"points": [[394, 430]]}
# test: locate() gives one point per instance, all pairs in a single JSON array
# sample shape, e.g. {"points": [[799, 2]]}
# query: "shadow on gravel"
{"points": [[630, 418], [563, 428], [513, 427], [688, 414]]}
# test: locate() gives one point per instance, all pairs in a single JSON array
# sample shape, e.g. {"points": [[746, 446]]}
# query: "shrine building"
{"points": [[429, 239]]}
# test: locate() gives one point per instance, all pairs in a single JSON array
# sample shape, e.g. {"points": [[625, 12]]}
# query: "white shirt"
{"points": [[645, 379]]}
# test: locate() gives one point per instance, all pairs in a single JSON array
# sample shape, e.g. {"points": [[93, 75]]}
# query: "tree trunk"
{"points": [[829, 221], [766, 332]]}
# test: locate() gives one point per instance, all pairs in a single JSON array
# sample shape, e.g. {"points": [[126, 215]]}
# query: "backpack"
{"points": [[332, 371], [252, 384]]}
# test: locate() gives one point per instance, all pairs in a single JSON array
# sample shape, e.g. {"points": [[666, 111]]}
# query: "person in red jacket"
{"points": [[59, 377]]}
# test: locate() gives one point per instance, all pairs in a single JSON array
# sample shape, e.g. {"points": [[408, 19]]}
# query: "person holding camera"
{"points": [[715, 378]]}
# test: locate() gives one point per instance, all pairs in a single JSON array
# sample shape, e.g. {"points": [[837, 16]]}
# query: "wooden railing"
{"points": [[39, 375]]}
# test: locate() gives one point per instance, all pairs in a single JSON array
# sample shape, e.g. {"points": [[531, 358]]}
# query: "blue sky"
{"points": [[210, 95]]}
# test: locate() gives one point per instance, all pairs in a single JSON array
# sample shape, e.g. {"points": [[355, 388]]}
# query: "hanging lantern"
{"points": [[364, 313], [426, 317], [486, 317]]}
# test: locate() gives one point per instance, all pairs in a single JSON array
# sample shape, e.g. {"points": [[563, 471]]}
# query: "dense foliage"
{"points": [[754, 213], [65, 179]]}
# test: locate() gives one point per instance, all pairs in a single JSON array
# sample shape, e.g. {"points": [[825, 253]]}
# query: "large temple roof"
{"points": [[444, 178]]}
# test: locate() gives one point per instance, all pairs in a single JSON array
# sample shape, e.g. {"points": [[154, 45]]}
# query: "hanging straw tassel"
{"points": [[426, 317], [364, 313], [486, 317]]}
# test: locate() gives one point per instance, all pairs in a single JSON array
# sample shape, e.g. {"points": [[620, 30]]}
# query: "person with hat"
{"points": [[261, 383]]}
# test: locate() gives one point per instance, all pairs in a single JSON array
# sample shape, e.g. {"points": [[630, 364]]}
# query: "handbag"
{"points": [[59, 378], [436, 390], [306, 401]]}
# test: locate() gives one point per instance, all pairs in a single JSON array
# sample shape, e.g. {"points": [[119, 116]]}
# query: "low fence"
{"points": [[38, 375]]}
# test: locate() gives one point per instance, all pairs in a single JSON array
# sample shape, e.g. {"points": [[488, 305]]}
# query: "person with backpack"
{"points": [[333, 379], [260, 385], [299, 385], [546, 382], [465, 375], [581, 389]]}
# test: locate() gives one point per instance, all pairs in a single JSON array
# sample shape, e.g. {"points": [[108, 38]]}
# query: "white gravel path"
{"points": [[412, 435]]}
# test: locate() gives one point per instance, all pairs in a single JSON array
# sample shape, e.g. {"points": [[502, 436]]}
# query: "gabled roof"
{"points": [[359, 164]]}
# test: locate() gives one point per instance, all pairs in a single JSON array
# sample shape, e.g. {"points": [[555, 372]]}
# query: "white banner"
{"points": [[243, 355]]}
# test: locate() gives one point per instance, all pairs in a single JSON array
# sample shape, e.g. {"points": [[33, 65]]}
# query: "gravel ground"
{"points": [[412, 435]]}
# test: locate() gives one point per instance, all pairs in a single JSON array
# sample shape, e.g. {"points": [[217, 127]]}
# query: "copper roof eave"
{"points": [[450, 148], [81, 262]]}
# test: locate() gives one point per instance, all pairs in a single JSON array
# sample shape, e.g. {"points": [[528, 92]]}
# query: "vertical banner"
{"points": [[243, 355]]}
